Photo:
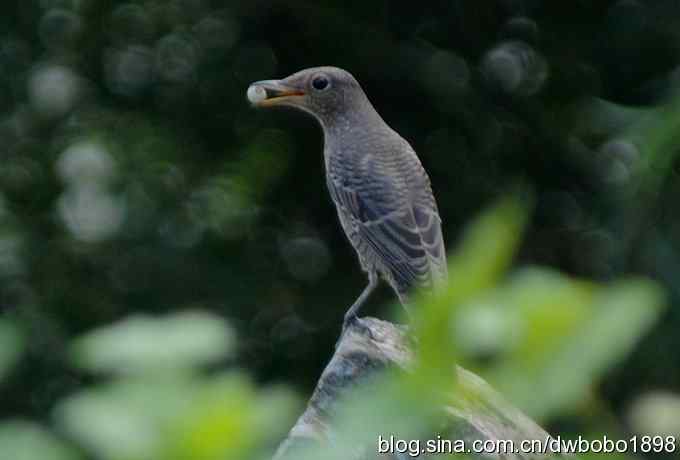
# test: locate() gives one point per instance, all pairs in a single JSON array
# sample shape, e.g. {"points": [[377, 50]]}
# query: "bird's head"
{"points": [[321, 91]]}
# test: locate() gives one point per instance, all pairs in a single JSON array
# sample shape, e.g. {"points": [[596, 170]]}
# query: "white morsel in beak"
{"points": [[256, 94]]}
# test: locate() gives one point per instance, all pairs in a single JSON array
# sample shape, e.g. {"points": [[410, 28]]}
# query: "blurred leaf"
{"points": [[125, 419], [547, 306], [229, 420], [142, 343], [656, 413], [176, 417], [481, 259], [572, 334], [11, 346], [24, 440], [487, 249], [551, 331]]}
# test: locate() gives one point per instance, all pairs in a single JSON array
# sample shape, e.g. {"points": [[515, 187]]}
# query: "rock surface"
{"points": [[479, 413]]}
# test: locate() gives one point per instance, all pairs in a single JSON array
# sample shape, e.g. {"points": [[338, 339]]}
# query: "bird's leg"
{"points": [[351, 315]]}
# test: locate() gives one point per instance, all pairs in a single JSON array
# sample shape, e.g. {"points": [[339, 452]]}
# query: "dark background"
{"points": [[134, 176]]}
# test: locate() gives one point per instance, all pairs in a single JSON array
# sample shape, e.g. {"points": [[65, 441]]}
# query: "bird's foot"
{"points": [[353, 321]]}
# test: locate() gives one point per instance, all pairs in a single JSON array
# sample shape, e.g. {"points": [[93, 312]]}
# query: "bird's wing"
{"points": [[391, 209]]}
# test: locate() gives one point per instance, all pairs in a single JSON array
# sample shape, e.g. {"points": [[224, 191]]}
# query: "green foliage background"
{"points": [[139, 191]]}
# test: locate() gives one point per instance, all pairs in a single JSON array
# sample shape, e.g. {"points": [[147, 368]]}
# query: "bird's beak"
{"points": [[267, 93]]}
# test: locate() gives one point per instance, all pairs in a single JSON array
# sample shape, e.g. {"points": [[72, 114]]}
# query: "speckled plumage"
{"points": [[382, 192], [385, 203]]}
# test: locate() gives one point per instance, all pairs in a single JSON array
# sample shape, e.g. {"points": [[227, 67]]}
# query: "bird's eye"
{"points": [[320, 83]]}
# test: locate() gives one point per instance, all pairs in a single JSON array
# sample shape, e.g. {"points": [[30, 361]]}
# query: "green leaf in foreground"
{"points": [[176, 417], [479, 262], [24, 440], [142, 343], [573, 333], [158, 406]]}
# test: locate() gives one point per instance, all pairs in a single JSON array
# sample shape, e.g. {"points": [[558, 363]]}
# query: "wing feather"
{"points": [[396, 219]]}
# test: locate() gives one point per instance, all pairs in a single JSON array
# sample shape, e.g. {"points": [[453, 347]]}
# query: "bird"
{"points": [[381, 191]]}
